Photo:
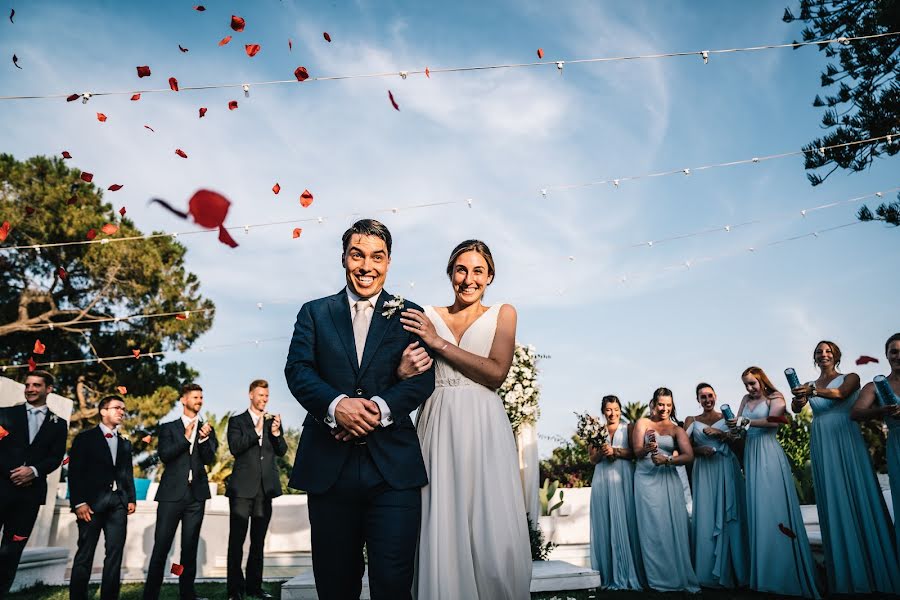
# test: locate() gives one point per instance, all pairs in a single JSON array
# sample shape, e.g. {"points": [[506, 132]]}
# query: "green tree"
{"points": [[866, 103], [794, 439], [52, 293], [569, 463], [286, 463], [634, 411]]}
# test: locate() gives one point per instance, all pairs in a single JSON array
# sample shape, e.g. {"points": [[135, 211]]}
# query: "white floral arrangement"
{"points": [[591, 430], [391, 306], [520, 391]]}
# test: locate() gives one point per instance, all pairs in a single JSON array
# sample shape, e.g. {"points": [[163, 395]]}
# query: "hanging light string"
{"points": [[889, 138], [559, 64], [182, 313]]}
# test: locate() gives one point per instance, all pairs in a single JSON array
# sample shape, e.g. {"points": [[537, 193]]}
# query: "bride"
{"points": [[473, 541]]}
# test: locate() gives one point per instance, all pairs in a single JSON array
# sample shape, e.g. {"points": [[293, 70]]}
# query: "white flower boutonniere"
{"points": [[53, 418], [391, 306]]}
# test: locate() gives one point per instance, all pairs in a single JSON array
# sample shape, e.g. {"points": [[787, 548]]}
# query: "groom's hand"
{"points": [[356, 416]]}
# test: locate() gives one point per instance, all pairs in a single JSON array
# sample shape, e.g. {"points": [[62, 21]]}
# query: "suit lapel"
{"points": [[21, 424], [340, 314], [102, 445], [45, 425], [377, 328]]}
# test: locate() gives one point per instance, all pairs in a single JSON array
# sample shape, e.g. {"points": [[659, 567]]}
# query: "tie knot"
{"points": [[362, 305], [41, 410], [108, 435]]}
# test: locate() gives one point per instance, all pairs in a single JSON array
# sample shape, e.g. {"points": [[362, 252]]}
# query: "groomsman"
{"points": [[185, 445], [32, 445], [255, 439], [101, 493]]}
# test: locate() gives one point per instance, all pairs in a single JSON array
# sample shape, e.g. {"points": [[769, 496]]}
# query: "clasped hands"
{"points": [[275, 426], [202, 434], [355, 417], [21, 476]]}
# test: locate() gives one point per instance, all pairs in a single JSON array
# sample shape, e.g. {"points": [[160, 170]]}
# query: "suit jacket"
{"points": [[45, 453], [174, 452], [254, 464], [92, 472], [322, 364]]}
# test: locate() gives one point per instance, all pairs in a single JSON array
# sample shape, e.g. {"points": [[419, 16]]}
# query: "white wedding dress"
{"points": [[473, 542]]}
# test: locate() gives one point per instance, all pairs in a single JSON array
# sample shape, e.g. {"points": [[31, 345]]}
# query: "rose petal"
{"points": [[173, 84], [72, 200], [787, 531], [91, 234], [65, 154], [393, 102], [16, 61], [122, 211], [864, 360], [62, 273], [31, 367], [177, 569], [327, 37], [306, 198], [180, 153], [226, 238], [237, 23], [202, 112], [181, 317], [427, 73], [301, 73], [4, 231], [182, 48], [72, 97], [199, 8], [225, 40], [143, 71], [29, 211], [148, 127], [65, 460], [87, 177], [12, 13], [136, 352], [208, 208], [147, 438], [290, 45], [109, 228], [276, 188], [251, 49], [122, 389], [101, 117], [19, 538], [540, 53], [232, 105], [135, 97], [297, 232], [3, 432], [115, 187], [39, 348]]}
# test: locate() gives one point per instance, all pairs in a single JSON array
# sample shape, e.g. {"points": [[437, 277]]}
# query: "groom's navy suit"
{"points": [[367, 490]]}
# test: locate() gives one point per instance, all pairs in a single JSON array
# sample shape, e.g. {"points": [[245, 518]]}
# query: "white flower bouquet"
{"points": [[520, 391], [591, 430]]}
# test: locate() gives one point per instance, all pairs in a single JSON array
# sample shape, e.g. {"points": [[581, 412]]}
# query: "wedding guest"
{"points": [[718, 521], [32, 445], [255, 439], [865, 409], [185, 446], [659, 502], [101, 493], [860, 557], [615, 547], [781, 560]]}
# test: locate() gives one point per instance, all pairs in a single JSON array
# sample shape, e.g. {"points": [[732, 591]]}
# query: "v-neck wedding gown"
{"points": [[473, 541]]}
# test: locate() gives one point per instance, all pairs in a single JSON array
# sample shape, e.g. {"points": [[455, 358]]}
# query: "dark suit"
{"points": [[107, 489], [368, 491], [180, 502], [19, 506], [252, 485]]}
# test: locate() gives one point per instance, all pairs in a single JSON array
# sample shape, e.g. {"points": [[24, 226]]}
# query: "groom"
{"points": [[359, 459]]}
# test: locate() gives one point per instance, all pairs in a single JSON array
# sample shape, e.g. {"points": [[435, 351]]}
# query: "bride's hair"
{"points": [[471, 246]]}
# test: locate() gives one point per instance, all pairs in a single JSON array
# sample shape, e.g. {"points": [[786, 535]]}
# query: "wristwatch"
{"points": [[669, 460], [814, 392]]}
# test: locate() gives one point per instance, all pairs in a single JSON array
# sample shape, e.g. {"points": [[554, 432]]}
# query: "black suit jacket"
{"points": [[92, 472], [254, 465], [45, 453], [322, 364], [174, 452]]}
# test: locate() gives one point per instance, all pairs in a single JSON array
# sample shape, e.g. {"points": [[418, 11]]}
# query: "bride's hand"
{"points": [[415, 321], [414, 361]]}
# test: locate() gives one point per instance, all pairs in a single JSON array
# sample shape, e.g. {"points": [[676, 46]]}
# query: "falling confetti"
{"points": [[135, 97], [62, 273], [290, 45], [150, 128], [65, 154], [115, 187], [393, 102], [276, 188], [146, 439], [31, 364], [143, 71], [29, 211], [327, 37], [203, 112], [224, 40], [109, 228], [252, 49], [540, 53], [3, 432], [19, 538], [232, 105], [16, 61], [12, 13], [87, 177], [181, 317], [39, 348], [209, 210], [72, 97], [4, 231], [91, 234], [427, 73], [122, 389], [72, 200], [101, 117], [864, 360], [180, 153], [177, 569], [136, 352], [301, 73], [122, 211], [787, 531], [237, 23], [182, 48], [65, 460], [297, 232], [173, 84], [306, 198], [199, 8]]}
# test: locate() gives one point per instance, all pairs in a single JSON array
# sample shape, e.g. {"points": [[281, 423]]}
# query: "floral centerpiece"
{"points": [[591, 430], [520, 391]]}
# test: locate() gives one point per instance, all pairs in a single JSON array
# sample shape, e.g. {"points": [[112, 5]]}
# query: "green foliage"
{"points": [[539, 549], [634, 411], [142, 419], [569, 463], [102, 281], [286, 463], [546, 495], [866, 103], [219, 471], [874, 434], [794, 439]]}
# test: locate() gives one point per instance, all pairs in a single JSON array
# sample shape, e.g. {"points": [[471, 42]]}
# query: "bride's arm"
{"points": [[490, 370]]}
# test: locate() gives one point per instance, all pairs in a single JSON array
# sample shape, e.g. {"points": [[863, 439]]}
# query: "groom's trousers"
{"points": [[362, 509]]}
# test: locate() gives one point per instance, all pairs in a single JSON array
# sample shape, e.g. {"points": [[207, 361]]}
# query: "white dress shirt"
{"points": [[36, 416], [256, 419], [186, 420], [113, 443]]}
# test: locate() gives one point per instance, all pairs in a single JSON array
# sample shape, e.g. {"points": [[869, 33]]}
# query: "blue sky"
{"points": [[497, 137]]}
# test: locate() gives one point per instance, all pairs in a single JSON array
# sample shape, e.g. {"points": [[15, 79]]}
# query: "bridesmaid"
{"points": [[718, 525], [865, 409], [659, 498], [857, 537], [781, 560], [615, 549]]}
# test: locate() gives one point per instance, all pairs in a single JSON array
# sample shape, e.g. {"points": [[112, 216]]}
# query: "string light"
{"points": [[705, 54], [127, 318]]}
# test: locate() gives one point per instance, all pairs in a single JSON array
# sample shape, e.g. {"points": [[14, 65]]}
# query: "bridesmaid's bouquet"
{"points": [[591, 430]]}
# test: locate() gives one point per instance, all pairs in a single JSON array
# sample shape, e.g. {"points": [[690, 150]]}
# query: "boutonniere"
{"points": [[268, 416], [391, 306], [54, 418]]}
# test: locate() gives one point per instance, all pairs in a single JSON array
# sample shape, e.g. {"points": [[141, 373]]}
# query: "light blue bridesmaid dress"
{"points": [[781, 560], [893, 463], [719, 518], [615, 548], [860, 557], [663, 524]]}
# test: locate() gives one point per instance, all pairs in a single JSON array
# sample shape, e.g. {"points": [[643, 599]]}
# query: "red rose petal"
{"points": [[3, 432], [143, 71], [65, 460], [297, 232], [135, 97], [540, 53], [226, 238], [276, 188], [199, 8], [787, 531], [19, 538], [237, 23], [29, 211], [39, 348], [12, 13], [232, 105], [146, 439], [101, 117], [251, 49], [181, 317], [173, 84], [72, 97], [109, 228], [136, 352], [182, 48], [31, 364], [62, 273], [115, 187], [864, 360], [88, 177], [91, 234], [301, 73], [148, 127], [122, 211], [326, 36], [72, 200], [177, 569], [306, 198], [65, 154], [202, 112], [16, 61], [122, 389], [208, 209], [393, 102], [290, 45], [427, 73], [180, 153], [225, 40], [4, 231]]}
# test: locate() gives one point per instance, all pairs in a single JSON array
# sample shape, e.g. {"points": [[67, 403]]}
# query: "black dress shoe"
{"points": [[260, 594]]}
